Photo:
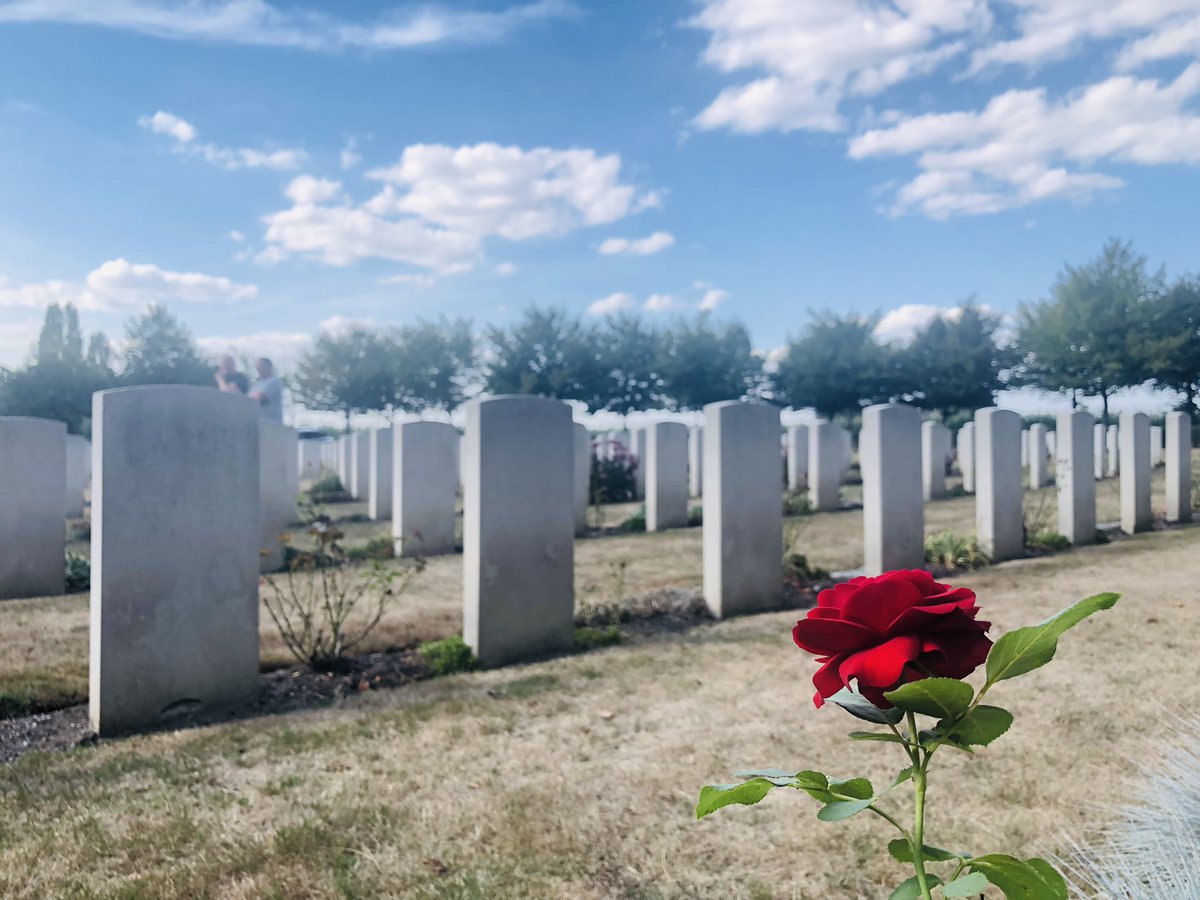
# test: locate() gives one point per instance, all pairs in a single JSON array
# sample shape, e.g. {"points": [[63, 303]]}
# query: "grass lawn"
{"points": [[576, 777]]}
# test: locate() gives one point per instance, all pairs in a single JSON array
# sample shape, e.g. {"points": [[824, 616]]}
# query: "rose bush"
{"points": [[891, 649], [882, 632]]}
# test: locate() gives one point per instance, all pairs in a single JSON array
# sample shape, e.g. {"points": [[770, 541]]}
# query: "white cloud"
{"points": [[613, 303], [349, 157], [409, 278], [339, 324], [119, 285], [807, 56], [184, 133], [900, 325], [662, 303], [17, 337], [506, 269], [237, 237], [283, 348], [646, 246], [1023, 147], [713, 297], [257, 22], [438, 204]]}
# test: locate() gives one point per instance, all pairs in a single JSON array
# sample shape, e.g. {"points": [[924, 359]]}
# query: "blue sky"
{"points": [[267, 169]]}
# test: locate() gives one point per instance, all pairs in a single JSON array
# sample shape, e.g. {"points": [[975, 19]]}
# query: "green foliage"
{"points": [[836, 366], [797, 564], [861, 708], [702, 363], [954, 366], [78, 573], [1032, 878], [636, 523], [695, 517], [327, 489], [1172, 344], [937, 697], [1048, 540], [902, 851], [797, 503], [589, 637], [160, 350], [548, 353], [382, 547], [910, 888], [1029, 648], [613, 480], [955, 551], [447, 656]]}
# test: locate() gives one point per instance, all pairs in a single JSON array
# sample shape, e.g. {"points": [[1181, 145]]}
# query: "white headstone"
{"points": [[311, 458], [966, 456], [797, 457], [1024, 448], [360, 465], [518, 528], [1039, 476], [824, 465], [999, 487], [583, 476], [1135, 471], [277, 458], [638, 449], [1052, 445], [1179, 467], [1074, 475], [666, 476], [345, 460], [1100, 451], [890, 453], [79, 454], [935, 441], [175, 539], [424, 488], [33, 483], [743, 509], [847, 455], [379, 474], [1112, 450], [696, 462], [1156, 446]]}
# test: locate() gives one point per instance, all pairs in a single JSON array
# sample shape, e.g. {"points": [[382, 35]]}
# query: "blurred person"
{"points": [[229, 379], [268, 391]]}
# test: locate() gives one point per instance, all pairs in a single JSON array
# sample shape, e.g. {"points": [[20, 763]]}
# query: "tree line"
{"points": [[1104, 325]]}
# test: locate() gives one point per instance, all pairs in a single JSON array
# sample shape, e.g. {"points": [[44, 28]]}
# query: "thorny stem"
{"points": [[918, 833]]}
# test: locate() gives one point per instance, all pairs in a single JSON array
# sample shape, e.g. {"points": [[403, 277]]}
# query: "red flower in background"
{"points": [[881, 632]]}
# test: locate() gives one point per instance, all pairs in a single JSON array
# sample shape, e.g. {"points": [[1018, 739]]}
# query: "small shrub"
{"points": [[589, 637], [447, 656], [636, 522], [1048, 540], [695, 517], [382, 547], [797, 565], [796, 503], [78, 573], [328, 489], [313, 601], [955, 551], [614, 480]]}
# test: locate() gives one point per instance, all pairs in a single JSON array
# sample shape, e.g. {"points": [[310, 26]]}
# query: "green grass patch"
{"points": [[447, 656], [589, 637]]}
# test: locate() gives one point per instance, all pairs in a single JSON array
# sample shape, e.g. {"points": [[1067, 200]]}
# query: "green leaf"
{"points": [[968, 886], [943, 698], [814, 784], [853, 788], [911, 889], [979, 727], [777, 777], [747, 793], [843, 809], [902, 852], [1019, 879], [902, 776], [1026, 649], [876, 736], [862, 708]]}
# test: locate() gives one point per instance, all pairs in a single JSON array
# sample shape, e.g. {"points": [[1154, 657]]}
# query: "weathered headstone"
{"points": [[33, 485], [518, 528], [1156, 446], [891, 453], [637, 446], [1074, 475], [1112, 450], [1036, 441], [1024, 448], [797, 457], [696, 462], [824, 465], [379, 478], [424, 488], [999, 485], [1052, 445], [966, 456], [345, 460], [360, 465], [1179, 467], [79, 455], [935, 442], [583, 476], [666, 476], [276, 491], [311, 458], [1100, 450], [846, 458], [175, 539], [743, 512], [1135, 471]]}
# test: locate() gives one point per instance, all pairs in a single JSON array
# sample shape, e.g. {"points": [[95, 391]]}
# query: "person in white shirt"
{"points": [[268, 391]]}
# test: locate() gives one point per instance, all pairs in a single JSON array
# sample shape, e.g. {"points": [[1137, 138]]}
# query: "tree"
{"points": [[1086, 337], [430, 363], [1172, 346], [159, 350], [631, 356], [549, 354], [835, 367], [953, 365], [59, 380], [702, 364], [347, 373]]}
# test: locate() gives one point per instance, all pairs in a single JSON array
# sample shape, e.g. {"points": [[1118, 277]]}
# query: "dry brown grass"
{"points": [[576, 777]]}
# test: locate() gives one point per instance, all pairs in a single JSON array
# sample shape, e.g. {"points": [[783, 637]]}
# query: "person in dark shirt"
{"points": [[229, 379]]}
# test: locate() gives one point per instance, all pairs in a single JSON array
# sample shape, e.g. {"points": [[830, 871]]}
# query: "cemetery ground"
{"points": [[577, 776]]}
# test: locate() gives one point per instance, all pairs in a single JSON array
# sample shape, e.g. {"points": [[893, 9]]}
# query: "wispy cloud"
{"points": [[184, 134]]}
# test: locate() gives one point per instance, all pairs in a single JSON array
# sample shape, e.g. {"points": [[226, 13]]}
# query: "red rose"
{"points": [[882, 632]]}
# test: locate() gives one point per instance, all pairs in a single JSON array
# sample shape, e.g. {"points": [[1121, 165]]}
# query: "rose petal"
{"points": [[881, 666], [825, 637], [917, 619], [877, 604], [827, 681]]}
